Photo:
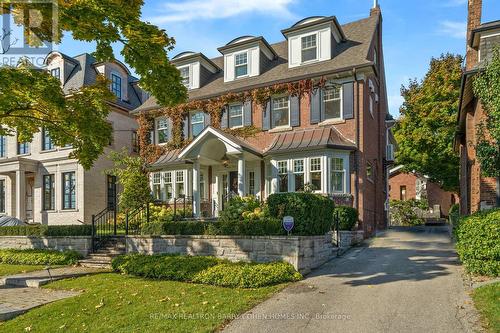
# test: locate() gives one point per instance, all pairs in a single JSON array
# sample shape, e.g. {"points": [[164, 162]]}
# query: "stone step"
{"points": [[99, 257], [95, 264]]}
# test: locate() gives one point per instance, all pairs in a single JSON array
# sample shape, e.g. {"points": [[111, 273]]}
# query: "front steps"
{"points": [[105, 254]]}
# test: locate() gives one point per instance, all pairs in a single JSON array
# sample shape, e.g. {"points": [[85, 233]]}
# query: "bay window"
{"points": [[156, 181], [280, 112], [167, 186], [338, 175], [282, 176], [315, 173], [179, 184], [298, 174]]}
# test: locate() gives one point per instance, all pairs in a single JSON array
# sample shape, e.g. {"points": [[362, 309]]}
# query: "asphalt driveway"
{"points": [[405, 280]]}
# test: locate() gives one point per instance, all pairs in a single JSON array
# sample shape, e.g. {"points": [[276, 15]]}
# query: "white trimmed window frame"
{"points": [[171, 177], [240, 106], [185, 80], [241, 64], [302, 48], [273, 110], [340, 99], [161, 127]]}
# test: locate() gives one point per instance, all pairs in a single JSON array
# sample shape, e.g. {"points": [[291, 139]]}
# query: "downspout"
{"points": [[356, 164]]}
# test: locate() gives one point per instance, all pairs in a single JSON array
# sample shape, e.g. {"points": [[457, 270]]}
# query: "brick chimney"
{"points": [[473, 21], [375, 9]]}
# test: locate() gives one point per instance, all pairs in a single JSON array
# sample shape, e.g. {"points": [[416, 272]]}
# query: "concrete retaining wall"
{"points": [[304, 253], [81, 244]]}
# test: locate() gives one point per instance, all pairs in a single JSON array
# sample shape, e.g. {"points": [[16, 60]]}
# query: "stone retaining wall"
{"points": [[304, 253], [348, 238], [81, 244]]}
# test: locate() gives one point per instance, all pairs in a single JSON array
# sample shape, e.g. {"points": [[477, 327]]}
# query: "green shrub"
{"points": [[404, 212], [44, 230], [312, 213], [454, 215], [248, 275], [38, 257], [348, 217], [478, 242], [164, 266], [206, 270]]}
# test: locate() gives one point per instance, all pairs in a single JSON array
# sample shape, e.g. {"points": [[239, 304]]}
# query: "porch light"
{"points": [[225, 160]]}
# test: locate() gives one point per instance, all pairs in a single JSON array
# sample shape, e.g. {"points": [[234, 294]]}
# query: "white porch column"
{"points": [[21, 195], [241, 175], [196, 189]]}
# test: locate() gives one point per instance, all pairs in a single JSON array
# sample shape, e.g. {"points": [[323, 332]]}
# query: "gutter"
{"points": [[356, 162]]}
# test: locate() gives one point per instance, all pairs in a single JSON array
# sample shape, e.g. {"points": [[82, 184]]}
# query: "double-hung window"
{"points": [[56, 72], [309, 48], [338, 175], [241, 64], [179, 184], [282, 176], [298, 174], [3, 146], [197, 123], [69, 190], [49, 193], [185, 76], [116, 85], [332, 102], [315, 173], [167, 185], [280, 112], [23, 148], [156, 181], [235, 115], [47, 143], [162, 130], [2, 195]]}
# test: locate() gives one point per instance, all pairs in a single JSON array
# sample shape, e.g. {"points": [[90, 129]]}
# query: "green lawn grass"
{"points": [[487, 301], [8, 269], [118, 303]]}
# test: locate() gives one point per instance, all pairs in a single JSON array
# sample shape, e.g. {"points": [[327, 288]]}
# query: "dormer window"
{"points": [[241, 64], [309, 48], [185, 76], [56, 72], [116, 85]]}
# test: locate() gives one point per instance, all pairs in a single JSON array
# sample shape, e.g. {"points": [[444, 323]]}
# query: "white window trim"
{"points": [[341, 93], [174, 182], [306, 172], [317, 48], [156, 131], [303, 172], [190, 79], [278, 175], [200, 122], [322, 168], [229, 115], [272, 111], [240, 65], [344, 174]]}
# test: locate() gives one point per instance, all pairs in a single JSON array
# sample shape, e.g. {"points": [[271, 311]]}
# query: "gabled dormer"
{"points": [[484, 39], [196, 69], [60, 65], [118, 75], [246, 56], [312, 40]]}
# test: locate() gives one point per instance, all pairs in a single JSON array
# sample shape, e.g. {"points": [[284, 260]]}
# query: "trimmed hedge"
{"points": [[44, 230], [348, 217], [205, 270], [478, 242], [38, 257], [175, 228], [312, 213]]}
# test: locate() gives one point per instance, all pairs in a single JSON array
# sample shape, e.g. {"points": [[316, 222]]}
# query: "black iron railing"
{"points": [[103, 226]]}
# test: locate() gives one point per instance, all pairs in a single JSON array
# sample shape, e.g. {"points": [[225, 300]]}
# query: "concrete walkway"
{"points": [[20, 293], [406, 280]]}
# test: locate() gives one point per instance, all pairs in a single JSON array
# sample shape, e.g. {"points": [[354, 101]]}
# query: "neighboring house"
{"points": [[38, 181], [411, 185], [332, 140], [476, 191]]}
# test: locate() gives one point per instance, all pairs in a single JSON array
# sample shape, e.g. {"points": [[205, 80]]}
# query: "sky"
{"points": [[414, 31]]}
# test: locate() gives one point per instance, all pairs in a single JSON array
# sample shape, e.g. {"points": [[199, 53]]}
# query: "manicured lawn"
{"points": [[118, 303], [8, 269], [487, 301]]}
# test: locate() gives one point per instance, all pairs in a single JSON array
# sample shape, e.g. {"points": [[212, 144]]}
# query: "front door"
{"points": [[233, 183], [30, 182]]}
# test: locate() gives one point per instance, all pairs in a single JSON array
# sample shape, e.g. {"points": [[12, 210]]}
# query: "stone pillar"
{"points": [[21, 195], [241, 175], [196, 189]]}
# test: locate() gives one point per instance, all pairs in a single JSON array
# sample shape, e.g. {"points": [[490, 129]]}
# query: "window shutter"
{"points": [[348, 100], [247, 113], [316, 106], [266, 116], [294, 111], [206, 117], [223, 119], [185, 130]]}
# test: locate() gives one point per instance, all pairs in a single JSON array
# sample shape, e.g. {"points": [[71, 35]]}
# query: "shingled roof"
{"points": [[349, 54]]}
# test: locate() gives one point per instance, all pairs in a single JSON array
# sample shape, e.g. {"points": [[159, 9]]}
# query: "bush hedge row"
{"points": [[38, 257], [313, 213], [348, 217], [478, 242], [44, 230], [205, 270]]}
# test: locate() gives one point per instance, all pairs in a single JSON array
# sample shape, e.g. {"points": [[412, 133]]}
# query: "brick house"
{"points": [[39, 183], [476, 191], [331, 139], [410, 185]]}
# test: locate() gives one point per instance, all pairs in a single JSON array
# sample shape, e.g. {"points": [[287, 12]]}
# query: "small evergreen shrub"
{"points": [[348, 217], [312, 213], [206, 270], [478, 242], [38, 257], [175, 228], [248, 275], [44, 230]]}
